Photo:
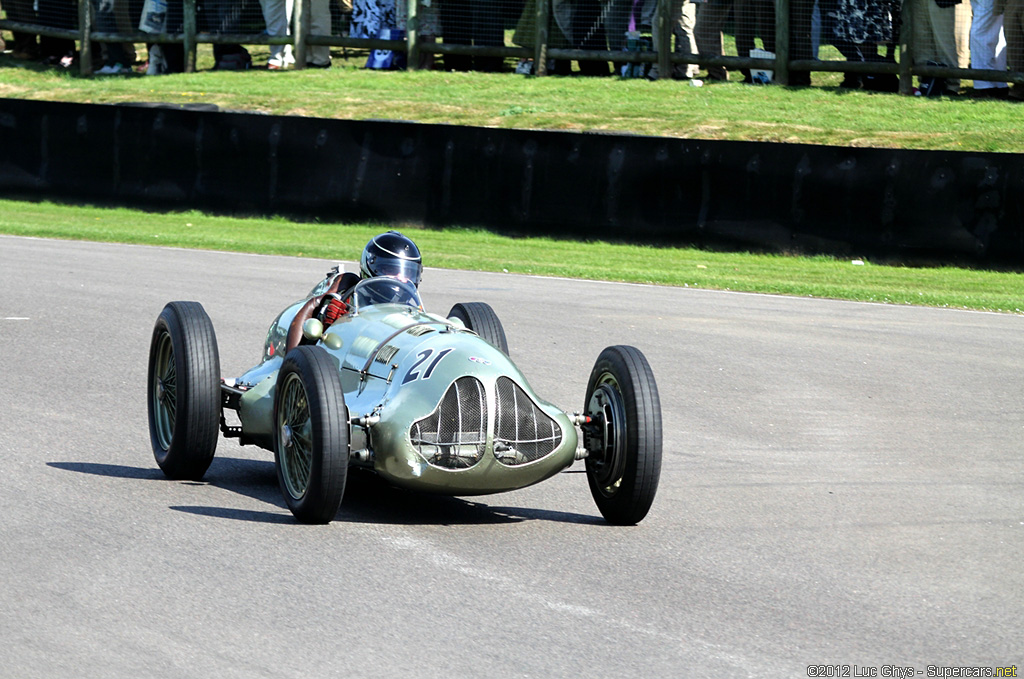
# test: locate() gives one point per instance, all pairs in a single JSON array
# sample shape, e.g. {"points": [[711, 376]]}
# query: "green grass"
{"points": [[481, 250], [822, 114]]}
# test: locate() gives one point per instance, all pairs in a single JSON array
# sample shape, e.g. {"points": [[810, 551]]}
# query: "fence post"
{"points": [[85, 36], [663, 25], [189, 28], [301, 17], [906, 29], [781, 42], [412, 37], [540, 42]]}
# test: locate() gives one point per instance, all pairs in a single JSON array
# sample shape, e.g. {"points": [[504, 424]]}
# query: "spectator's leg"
{"points": [[456, 18], [319, 56], [589, 34], [948, 27], [766, 24], [127, 22], [744, 17], [711, 18], [988, 46], [488, 30], [23, 45], [277, 15], [106, 22], [686, 43], [1013, 25], [800, 38]]}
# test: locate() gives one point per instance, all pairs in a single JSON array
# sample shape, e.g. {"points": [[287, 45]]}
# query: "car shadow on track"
{"points": [[368, 498]]}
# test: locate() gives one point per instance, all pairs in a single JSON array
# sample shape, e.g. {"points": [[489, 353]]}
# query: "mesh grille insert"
{"points": [[523, 432], [455, 434]]}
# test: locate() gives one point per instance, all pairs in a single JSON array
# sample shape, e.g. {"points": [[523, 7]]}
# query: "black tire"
{"points": [[624, 440], [481, 319], [311, 442], [183, 393]]}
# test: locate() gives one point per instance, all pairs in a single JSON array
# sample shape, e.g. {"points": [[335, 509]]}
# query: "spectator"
{"points": [[754, 18], [988, 45], [163, 17], [319, 56], [941, 35], [116, 59], [429, 26], [225, 17], [473, 22], [801, 13], [858, 27], [1013, 24], [23, 45], [683, 15], [278, 16], [559, 28], [711, 17], [57, 14]]}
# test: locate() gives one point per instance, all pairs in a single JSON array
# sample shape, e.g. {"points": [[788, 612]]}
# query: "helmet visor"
{"points": [[402, 269]]}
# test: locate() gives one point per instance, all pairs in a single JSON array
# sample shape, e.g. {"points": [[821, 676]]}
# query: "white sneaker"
{"points": [[157, 63]]}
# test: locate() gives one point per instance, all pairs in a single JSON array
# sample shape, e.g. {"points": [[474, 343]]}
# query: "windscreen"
{"points": [[384, 290]]}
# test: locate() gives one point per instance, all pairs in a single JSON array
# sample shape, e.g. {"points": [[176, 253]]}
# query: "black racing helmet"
{"points": [[394, 255]]}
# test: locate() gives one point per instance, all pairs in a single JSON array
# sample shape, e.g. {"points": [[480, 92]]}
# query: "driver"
{"points": [[390, 254]]}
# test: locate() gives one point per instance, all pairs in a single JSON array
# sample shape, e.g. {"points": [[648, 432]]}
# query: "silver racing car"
{"points": [[429, 402]]}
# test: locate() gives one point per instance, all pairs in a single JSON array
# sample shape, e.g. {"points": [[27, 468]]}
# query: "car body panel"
{"points": [[397, 364]]}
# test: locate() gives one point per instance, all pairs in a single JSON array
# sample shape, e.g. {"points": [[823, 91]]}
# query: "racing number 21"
{"points": [[423, 357]]}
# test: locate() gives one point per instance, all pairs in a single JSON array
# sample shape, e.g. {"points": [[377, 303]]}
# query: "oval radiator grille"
{"points": [[523, 432], [454, 436]]}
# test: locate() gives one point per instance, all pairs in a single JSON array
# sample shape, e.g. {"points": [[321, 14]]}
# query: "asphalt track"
{"points": [[843, 484]]}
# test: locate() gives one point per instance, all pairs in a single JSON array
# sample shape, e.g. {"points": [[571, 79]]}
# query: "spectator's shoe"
{"points": [[64, 61], [1016, 93], [113, 69], [157, 64], [313, 64], [991, 93], [236, 61], [852, 81]]}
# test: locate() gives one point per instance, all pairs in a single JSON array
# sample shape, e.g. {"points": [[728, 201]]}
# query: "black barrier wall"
{"points": [[786, 197]]}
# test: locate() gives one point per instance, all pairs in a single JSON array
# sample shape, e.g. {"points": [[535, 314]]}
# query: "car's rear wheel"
{"points": [[624, 438], [183, 395], [481, 319], [311, 442]]}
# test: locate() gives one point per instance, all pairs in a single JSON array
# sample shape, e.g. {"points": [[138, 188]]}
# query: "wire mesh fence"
{"points": [[875, 44]]}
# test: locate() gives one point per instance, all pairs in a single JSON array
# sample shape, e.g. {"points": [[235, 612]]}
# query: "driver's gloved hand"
{"points": [[333, 310]]}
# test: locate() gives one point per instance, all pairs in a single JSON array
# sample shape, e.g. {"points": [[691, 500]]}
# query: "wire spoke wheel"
{"points": [[296, 448], [311, 448], [183, 386], [163, 390]]}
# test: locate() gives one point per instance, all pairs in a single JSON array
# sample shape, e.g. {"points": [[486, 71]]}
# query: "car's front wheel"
{"points": [[183, 395], [624, 437], [481, 319], [311, 437]]}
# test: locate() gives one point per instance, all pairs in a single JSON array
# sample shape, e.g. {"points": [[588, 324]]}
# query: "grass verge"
{"points": [[823, 114], [481, 250]]}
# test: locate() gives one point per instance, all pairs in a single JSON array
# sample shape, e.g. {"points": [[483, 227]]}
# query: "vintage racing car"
{"points": [[429, 402]]}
